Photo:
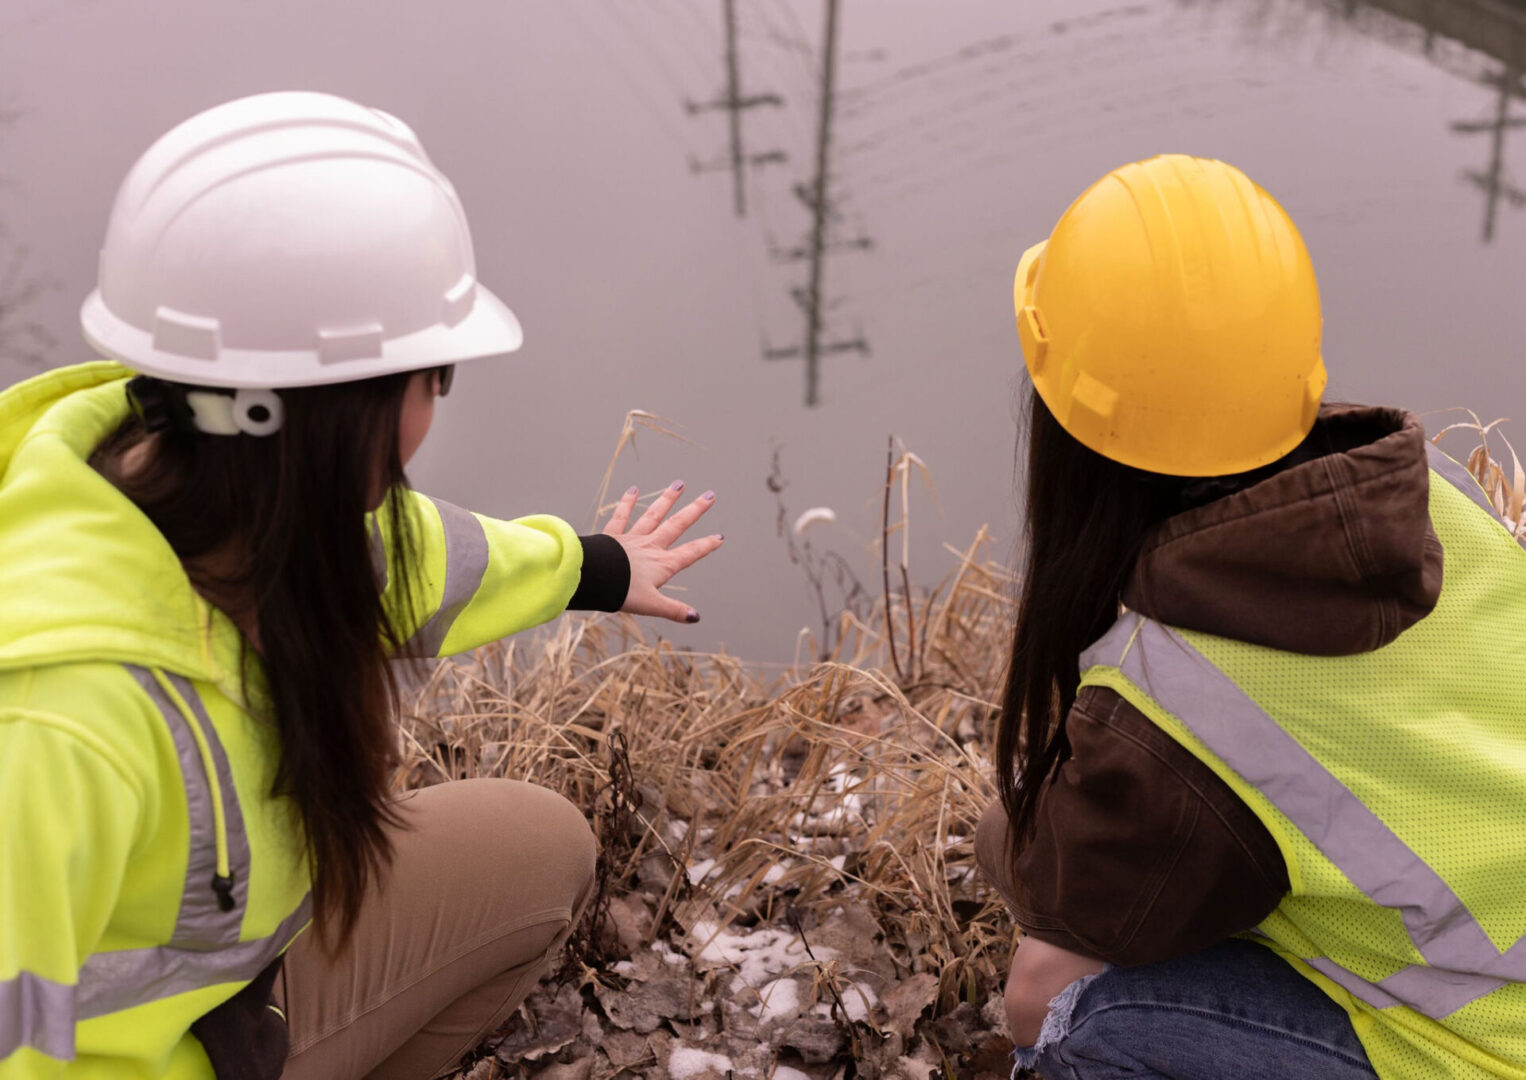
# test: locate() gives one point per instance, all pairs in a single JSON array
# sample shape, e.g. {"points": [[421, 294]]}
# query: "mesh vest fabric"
{"points": [[1395, 784]]}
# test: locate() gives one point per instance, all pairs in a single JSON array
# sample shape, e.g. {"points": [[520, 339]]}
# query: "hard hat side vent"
{"points": [[1035, 342], [187, 335], [350, 343]]}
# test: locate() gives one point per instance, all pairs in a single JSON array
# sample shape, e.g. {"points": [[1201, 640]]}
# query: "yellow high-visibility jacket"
{"points": [[1394, 782], [146, 874]]}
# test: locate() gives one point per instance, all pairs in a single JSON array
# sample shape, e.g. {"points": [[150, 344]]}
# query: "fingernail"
{"points": [[676, 485], [708, 495], [692, 617], [720, 537], [633, 490]]}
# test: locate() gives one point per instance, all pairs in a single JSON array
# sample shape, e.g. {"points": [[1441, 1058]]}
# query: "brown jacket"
{"points": [[1141, 853]]}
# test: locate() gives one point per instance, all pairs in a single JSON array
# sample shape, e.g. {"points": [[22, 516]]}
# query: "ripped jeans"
{"points": [[1236, 1010]]}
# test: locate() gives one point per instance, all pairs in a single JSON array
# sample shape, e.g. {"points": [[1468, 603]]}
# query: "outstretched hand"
{"points": [[649, 546]]}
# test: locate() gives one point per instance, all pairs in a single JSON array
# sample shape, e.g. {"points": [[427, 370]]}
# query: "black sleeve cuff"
{"points": [[606, 575]]}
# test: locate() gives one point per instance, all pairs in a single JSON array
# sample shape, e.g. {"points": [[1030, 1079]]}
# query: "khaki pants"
{"points": [[484, 889]]}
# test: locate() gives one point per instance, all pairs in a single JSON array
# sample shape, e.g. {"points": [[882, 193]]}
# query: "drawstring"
{"points": [[223, 880]]}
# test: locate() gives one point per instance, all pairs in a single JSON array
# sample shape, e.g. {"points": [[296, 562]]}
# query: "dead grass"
{"points": [[1506, 489], [729, 801]]}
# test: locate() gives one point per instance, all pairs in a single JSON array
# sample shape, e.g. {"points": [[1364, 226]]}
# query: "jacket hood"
{"points": [[84, 575], [1332, 556]]}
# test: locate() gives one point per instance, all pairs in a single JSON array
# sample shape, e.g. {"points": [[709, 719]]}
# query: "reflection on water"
{"points": [[24, 340], [936, 104], [687, 223], [1482, 41]]}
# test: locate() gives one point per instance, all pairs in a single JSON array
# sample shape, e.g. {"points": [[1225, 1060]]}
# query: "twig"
{"points": [[839, 1007], [895, 658]]}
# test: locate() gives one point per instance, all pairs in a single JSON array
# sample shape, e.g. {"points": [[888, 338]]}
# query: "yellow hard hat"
{"points": [[1171, 320]]}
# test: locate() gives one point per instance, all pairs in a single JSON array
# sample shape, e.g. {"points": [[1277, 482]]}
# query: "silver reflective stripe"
{"points": [[466, 557], [1432, 992], [1461, 479], [201, 922], [39, 1013], [1187, 684], [112, 981], [233, 813]]}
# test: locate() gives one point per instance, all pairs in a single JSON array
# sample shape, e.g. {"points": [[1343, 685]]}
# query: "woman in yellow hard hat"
{"points": [[209, 555], [1261, 762]]}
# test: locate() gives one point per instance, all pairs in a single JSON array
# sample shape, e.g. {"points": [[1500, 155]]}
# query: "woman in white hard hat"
{"points": [[1261, 758], [206, 569]]}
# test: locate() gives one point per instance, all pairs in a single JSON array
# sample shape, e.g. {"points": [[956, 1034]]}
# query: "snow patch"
{"points": [[670, 955], [781, 997], [836, 811], [759, 955], [858, 1001], [688, 1061]]}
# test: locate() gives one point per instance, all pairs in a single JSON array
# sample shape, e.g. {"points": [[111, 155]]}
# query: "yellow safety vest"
{"points": [[1395, 784], [146, 872]]}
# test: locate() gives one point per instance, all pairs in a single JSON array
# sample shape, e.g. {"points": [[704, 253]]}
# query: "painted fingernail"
{"points": [[692, 617], [708, 495], [676, 485], [633, 490], [720, 537]]}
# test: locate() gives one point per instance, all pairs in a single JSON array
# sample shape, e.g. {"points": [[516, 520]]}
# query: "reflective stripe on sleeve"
{"points": [[466, 559], [39, 1013], [201, 921], [112, 981], [1459, 956]]}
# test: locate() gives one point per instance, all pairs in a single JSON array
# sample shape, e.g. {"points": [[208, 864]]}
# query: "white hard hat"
{"points": [[287, 240]]}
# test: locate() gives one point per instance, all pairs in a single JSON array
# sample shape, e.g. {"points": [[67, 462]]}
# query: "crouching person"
{"points": [[1261, 762], [206, 569]]}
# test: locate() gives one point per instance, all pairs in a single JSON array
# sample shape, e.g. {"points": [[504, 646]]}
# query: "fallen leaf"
{"points": [[572, 1070], [486, 1069], [993, 1055], [814, 1038], [642, 1006], [542, 1027], [627, 1049], [953, 1029], [631, 920], [908, 1000]]}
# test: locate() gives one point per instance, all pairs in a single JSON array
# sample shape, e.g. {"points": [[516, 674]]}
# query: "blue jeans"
{"points": [[1235, 1011]]}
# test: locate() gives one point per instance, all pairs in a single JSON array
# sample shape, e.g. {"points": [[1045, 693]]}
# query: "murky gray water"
{"points": [[962, 131]]}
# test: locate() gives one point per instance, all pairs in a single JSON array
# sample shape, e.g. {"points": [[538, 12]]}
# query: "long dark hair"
{"points": [[1087, 517], [273, 530]]}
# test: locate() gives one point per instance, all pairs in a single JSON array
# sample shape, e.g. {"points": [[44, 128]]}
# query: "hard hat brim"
{"points": [[490, 329]]}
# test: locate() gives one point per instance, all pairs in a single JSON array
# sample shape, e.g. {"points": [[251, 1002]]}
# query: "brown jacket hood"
{"points": [[1331, 556]]}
